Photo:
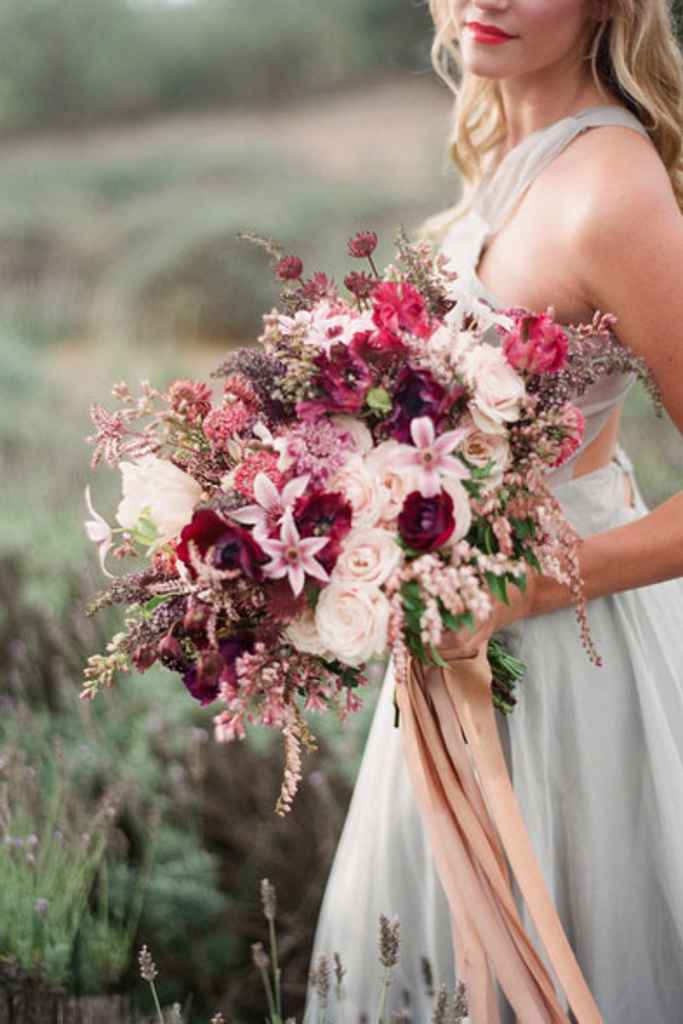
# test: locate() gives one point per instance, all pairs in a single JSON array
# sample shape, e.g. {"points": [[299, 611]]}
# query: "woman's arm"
{"points": [[627, 232]]}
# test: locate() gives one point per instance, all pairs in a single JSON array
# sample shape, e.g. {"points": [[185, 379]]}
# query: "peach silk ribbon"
{"points": [[473, 821]]}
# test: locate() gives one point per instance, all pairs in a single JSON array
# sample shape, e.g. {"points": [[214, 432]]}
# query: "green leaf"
{"points": [[519, 581], [497, 586], [472, 488], [379, 400], [455, 622], [523, 529], [529, 556], [482, 472], [412, 597], [436, 657], [154, 602]]}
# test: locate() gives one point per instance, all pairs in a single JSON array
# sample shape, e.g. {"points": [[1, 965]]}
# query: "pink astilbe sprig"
{"points": [[190, 399], [318, 449]]}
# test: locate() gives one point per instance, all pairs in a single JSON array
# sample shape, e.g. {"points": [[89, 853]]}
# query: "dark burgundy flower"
{"points": [[328, 514], [425, 524], [377, 346], [171, 653], [289, 268], [343, 381], [363, 244], [360, 284], [204, 678], [398, 306], [231, 650], [143, 657], [232, 546], [417, 393]]}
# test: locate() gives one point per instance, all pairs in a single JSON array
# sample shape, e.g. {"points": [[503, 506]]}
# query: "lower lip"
{"points": [[490, 38]]}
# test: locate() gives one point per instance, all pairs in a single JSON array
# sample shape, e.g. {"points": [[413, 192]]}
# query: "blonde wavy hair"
{"points": [[634, 53]]}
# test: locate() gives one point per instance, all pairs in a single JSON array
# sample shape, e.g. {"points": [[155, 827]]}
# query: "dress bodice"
{"points": [[496, 196]]}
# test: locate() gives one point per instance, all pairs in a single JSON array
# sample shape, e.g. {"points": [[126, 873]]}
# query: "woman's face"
{"points": [[539, 34]]}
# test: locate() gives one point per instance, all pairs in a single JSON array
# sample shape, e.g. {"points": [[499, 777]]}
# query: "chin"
{"points": [[486, 65]]}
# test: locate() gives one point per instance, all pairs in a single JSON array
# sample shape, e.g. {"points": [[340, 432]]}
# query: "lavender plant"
{"points": [[327, 976], [52, 862]]}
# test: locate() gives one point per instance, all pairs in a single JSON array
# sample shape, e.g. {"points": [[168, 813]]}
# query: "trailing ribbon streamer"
{"points": [[473, 821]]}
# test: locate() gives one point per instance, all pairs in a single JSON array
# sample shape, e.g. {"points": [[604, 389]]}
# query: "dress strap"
{"points": [[499, 193]]}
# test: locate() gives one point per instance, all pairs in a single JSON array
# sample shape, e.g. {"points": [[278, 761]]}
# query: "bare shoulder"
{"points": [[618, 189]]}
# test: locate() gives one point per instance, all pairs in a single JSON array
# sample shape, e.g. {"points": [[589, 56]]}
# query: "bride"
{"points": [[568, 131]]}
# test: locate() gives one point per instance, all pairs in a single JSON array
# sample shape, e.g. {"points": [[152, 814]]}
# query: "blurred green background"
{"points": [[138, 138]]}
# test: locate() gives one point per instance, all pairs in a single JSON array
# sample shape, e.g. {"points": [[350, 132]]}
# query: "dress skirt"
{"points": [[596, 760]]}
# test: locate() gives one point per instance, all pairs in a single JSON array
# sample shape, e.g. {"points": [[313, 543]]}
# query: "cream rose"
{"points": [[361, 489], [302, 634], [367, 556], [395, 484], [462, 512], [352, 621], [481, 448], [357, 431], [498, 390], [161, 491]]}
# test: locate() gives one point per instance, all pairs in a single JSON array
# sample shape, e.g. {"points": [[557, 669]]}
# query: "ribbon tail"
{"points": [[468, 686], [475, 882]]}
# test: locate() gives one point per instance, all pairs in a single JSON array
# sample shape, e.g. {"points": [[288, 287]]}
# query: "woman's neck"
{"points": [[532, 102]]}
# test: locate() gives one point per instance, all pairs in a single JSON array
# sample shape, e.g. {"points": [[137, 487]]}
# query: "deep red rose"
{"points": [[398, 306], [417, 393], [233, 546], [343, 381], [377, 346], [425, 524], [326, 514]]}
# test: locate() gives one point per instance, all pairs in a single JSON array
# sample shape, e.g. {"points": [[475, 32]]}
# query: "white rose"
{"points": [[356, 429], [361, 489], [302, 634], [462, 511], [498, 390], [483, 447], [353, 620], [161, 491], [367, 556], [395, 484]]}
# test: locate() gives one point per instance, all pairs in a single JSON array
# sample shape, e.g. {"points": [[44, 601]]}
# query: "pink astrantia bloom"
{"points": [[293, 556], [99, 531], [431, 456], [271, 504]]}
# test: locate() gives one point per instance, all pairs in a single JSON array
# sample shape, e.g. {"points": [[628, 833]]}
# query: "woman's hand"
{"points": [[466, 644]]}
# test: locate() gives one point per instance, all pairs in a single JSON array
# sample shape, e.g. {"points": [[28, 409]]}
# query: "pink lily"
{"points": [[431, 456], [293, 556], [271, 504], [99, 531]]}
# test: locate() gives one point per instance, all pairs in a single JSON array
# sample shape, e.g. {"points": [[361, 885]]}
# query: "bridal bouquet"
{"points": [[368, 476]]}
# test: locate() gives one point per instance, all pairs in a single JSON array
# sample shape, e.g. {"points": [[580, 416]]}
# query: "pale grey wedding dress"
{"points": [[595, 755]]}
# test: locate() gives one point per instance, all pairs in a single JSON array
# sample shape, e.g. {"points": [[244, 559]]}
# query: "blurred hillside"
{"points": [[78, 63]]}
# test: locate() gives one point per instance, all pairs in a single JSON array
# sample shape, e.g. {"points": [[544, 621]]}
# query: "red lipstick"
{"points": [[487, 33]]}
